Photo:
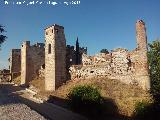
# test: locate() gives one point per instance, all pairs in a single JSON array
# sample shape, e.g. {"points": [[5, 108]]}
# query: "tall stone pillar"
{"points": [[142, 68]]}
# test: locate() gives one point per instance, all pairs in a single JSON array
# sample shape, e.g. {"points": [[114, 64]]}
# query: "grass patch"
{"points": [[124, 96]]}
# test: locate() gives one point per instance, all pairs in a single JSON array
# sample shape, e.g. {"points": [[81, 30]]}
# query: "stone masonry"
{"points": [[130, 67], [57, 63], [55, 57], [31, 61], [74, 54], [15, 60]]}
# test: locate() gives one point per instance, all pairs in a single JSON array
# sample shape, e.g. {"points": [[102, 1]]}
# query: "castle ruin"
{"points": [[130, 67], [61, 63]]}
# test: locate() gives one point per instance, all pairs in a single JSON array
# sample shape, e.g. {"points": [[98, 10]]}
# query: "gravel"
{"points": [[12, 108], [18, 111]]}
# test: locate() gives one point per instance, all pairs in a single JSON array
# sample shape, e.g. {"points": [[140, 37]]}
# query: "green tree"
{"points": [[154, 65], [104, 51], [2, 37]]}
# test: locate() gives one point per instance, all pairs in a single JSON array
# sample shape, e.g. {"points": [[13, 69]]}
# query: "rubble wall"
{"points": [[130, 67]]}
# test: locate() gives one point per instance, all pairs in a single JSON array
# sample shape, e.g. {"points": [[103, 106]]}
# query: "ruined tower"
{"points": [[141, 35], [55, 57], [142, 70]]}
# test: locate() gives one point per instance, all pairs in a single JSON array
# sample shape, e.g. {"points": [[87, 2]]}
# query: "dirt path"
{"points": [[11, 108], [10, 95]]}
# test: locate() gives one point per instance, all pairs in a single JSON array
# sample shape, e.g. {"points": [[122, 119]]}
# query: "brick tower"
{"points": [[55, 57], [142, 69], [141, 35]]}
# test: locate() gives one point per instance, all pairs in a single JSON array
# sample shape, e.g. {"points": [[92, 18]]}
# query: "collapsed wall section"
{"points": [[128, 67]]}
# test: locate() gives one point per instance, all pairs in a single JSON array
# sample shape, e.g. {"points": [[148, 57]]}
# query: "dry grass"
{"points": [[125, 96], [17, 80], [39, 84]]}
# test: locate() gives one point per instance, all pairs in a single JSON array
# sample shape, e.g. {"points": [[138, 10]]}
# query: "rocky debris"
{"points": [[90, 71], [4, 75], [87, 60], [33, 89], [113, 64], [41, 73], [18, 111], [102, 58], [121, 63]]}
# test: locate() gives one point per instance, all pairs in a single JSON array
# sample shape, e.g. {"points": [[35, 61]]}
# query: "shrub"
{"points": [[86, 99], [104, 51], [154, 65], [147, 111], [141, 108]]}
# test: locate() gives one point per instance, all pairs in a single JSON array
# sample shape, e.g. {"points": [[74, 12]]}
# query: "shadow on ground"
{"points": [[109, 110], [10, 94]]}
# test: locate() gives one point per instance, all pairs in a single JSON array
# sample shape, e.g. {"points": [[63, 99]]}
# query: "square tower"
{"points": [[55, 57], [15, 61]]}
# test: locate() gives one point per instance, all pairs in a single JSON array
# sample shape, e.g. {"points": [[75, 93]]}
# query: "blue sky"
{"points": [[98, 23]]}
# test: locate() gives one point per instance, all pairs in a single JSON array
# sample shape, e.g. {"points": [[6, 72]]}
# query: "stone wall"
{"points": [[71, 54], [111, 65], [130, 67], [32, 58], [15, 61]]}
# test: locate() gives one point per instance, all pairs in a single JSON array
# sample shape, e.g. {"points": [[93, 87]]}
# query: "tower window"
{"points": [[52, 30], [46, 33], [49, 49]]}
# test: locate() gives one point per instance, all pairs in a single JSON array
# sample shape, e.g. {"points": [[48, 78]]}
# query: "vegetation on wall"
{"points": [[104, 51]]}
